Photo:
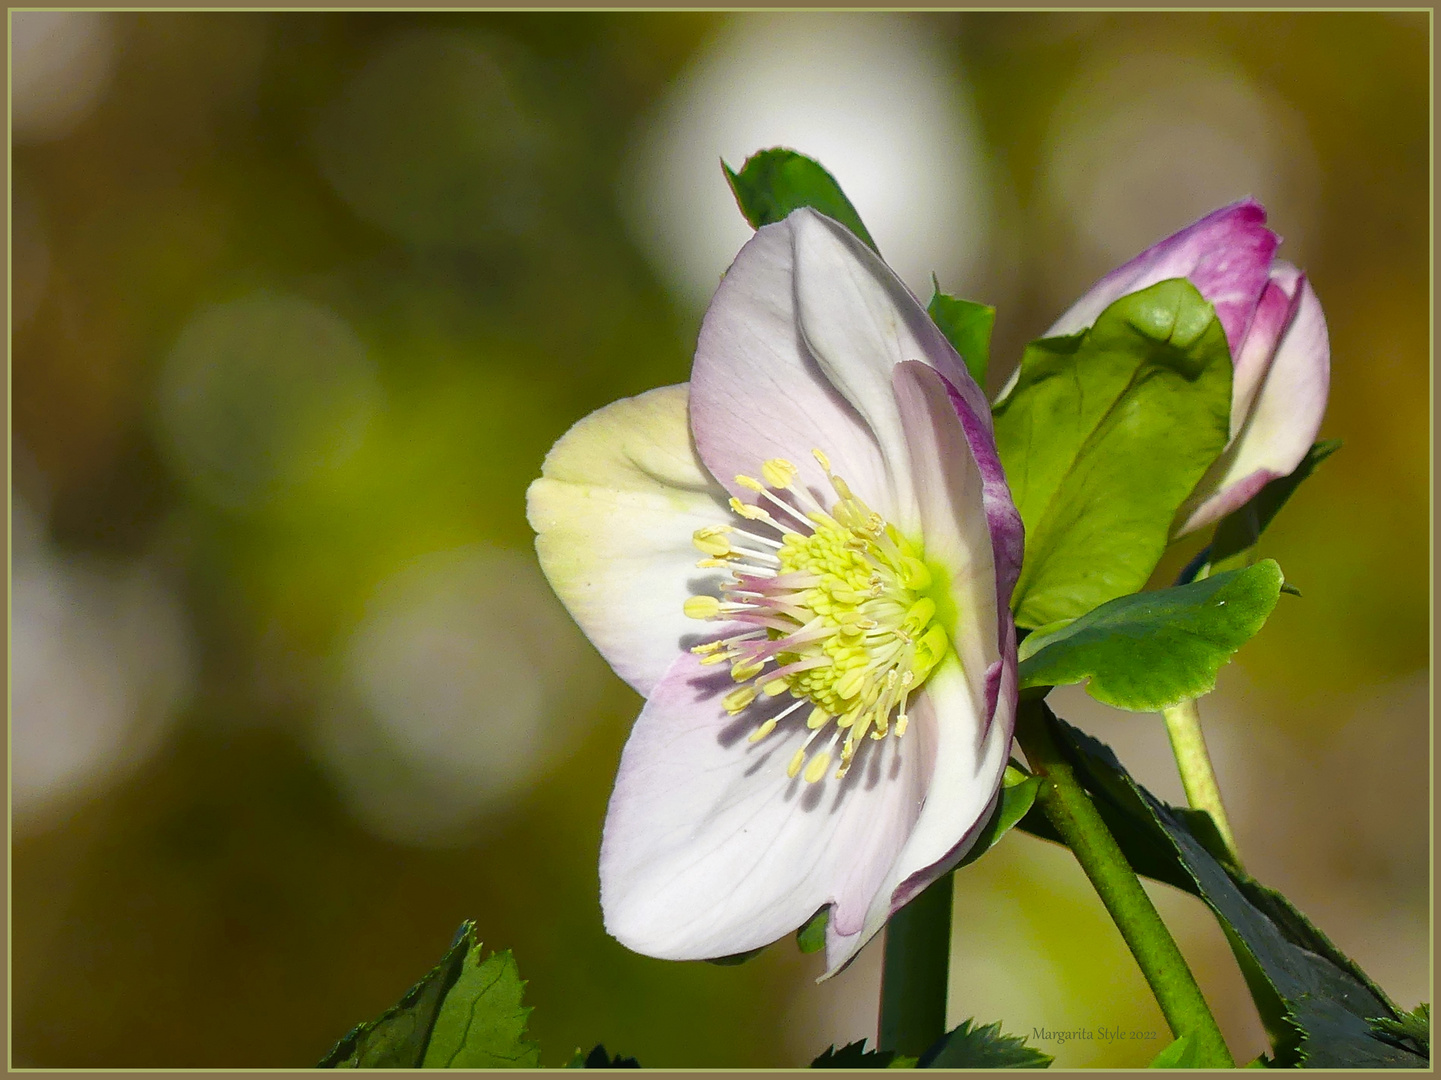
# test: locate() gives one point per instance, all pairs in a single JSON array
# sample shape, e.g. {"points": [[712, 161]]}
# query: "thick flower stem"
{"points": [[917, 966], [1183, 725], [1080, 825]]}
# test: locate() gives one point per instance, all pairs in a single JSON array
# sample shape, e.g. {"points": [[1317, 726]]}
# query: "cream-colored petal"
{"points": [[619, 498]]}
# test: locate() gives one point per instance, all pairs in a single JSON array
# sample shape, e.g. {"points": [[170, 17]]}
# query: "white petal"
{"points": [[970, 760], [619, 498], [711, 850], [859, 320], [756, 391]]}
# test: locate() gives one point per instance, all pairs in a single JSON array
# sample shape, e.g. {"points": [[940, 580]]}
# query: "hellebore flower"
{"points": [[1279, 348], [831, 689]]}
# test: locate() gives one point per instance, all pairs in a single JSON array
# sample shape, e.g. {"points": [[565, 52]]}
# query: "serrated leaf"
{"points": [[398, 1037], [1414, 1025], [1103, 437], [1237, 533], [481, 1023], [1326, 998], [1180, 1054], [1018, 795], [812, 936], [774, 182], [854, 1056], [1152, 650], [967, 326], [988, 1047]]}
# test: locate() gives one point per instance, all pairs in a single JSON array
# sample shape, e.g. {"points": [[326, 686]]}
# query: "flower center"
{"points": [[835, 608]]}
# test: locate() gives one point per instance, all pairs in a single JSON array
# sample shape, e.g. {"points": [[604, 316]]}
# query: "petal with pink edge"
{"points": [[1282, 424], [618, 500], [1226, 255], [710, 849], [758, 393]]}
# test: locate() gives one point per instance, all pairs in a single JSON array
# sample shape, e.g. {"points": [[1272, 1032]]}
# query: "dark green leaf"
{"points": [[1414, 1026], [398, 1038], [1018, 794], [1103, 436], [812, 936], [1181, 1054], [971, 1047], [854, 1056], [1327, 1002], [599, 1059], [967, 326], [1152, 650], [774, 182], [481, 1024], [1238, 532]]}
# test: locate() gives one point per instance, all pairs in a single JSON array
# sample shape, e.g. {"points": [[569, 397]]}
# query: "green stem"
{"points": [[917, 966], [1080, 825], [1183, 725]]}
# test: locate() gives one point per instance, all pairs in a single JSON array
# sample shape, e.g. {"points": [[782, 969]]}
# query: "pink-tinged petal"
{"points": [[1283, 422], [1226, 255], [619, 498], [1274, 313], [970, 700], [859, 320], [758, 393], [710, 849], [970, 761]]}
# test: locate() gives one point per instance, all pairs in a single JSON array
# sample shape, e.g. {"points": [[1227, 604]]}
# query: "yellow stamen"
{"points": [[796, 762], [711, 540], [776, 687], [702, 607], [765, 729], [779, 472], [818, 766], [738, 699]]}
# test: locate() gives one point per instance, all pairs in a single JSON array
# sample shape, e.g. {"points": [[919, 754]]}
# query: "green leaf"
{"points": [[774, 182], [1180, 1054], [1238, 532], [967, 326], [1103, 437], [1414, 1025], [971, 1047], [397, 1039], [1152, 650], [1328, 1004], [599, 1059], [854, 1056], [1018, 794], [812, 936], [481, 1024]]}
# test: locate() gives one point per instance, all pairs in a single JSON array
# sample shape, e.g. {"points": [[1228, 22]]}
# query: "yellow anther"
{"points": [[796, 762], [818, 766], [750, 483], [842, 488], [779, 472], [845, 768], [902, 722], [701, 607], [747, 511], [817, 718], [850, 683], [738, 699], [765, 729], [825, 462], [708, 647], [711, 540], [709, 564], [742, 672], [715, 658], [776, 687]]}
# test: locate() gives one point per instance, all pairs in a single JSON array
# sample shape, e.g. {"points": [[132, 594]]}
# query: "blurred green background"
{"points": [[299, 302]]}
